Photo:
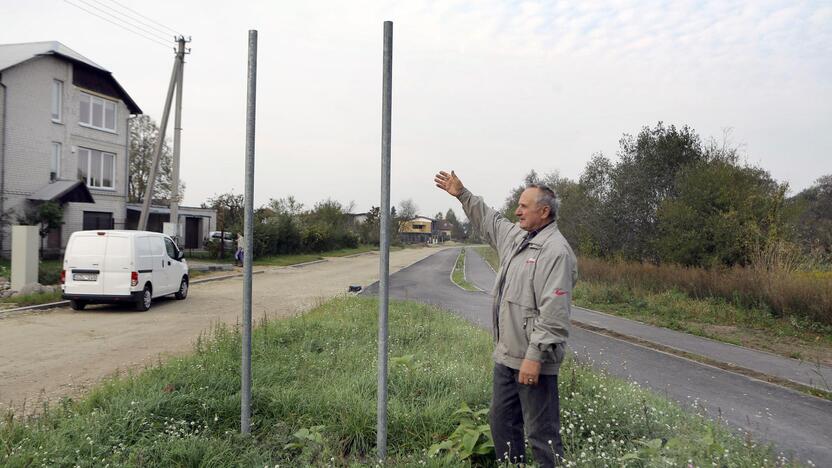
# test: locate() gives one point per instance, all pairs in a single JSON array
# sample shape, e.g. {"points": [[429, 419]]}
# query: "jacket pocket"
{"points": [[515, 329]]}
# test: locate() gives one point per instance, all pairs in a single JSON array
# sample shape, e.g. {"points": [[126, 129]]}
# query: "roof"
{"points": [[15, 54], [157, 209], [63, 191]]}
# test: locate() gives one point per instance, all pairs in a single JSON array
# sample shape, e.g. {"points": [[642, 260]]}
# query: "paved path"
{"points": [[801, 372], [797, 424]]}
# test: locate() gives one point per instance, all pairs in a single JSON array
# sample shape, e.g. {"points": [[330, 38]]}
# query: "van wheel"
{"points": [[183, 289], [77, 305], [144, 301]]}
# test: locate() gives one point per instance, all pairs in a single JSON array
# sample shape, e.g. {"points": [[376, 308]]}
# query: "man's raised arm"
{"points": [[498, 231]]}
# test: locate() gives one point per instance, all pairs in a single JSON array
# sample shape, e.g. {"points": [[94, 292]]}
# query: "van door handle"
{"points": [[168, 262]]}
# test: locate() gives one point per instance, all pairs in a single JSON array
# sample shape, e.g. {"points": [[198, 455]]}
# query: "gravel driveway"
{"points": [[51, 354]]}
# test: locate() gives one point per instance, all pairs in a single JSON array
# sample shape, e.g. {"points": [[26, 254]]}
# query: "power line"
{"points": [[129, 21], [166, 46], [170, 30], [134, 19]]}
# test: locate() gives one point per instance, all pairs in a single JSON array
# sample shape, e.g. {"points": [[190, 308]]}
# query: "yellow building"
{"points": [[416, 230]]}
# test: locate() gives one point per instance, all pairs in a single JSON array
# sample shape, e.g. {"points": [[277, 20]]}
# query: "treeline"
{"points": [[285, 226], [670, 198]]}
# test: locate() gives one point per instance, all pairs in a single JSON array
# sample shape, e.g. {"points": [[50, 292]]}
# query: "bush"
{"points": [[779, 290]]}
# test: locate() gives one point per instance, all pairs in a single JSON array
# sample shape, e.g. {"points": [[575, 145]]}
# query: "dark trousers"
{"points": [[537, 406]]}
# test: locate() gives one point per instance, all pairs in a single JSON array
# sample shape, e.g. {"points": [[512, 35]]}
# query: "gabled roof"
{"points": [[14, 54]]}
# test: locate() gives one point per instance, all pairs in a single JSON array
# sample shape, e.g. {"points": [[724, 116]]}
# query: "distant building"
{"points": [[442, 230], [416, 230]]}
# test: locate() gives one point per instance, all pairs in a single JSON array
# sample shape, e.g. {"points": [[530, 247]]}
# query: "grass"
{"points": [[617, 291], [772, 287], [49, 271], [314, 403], [458, 275], [711, 317], [34, 298]]}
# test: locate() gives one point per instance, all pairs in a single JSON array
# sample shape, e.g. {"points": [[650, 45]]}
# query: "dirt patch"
{"points": [[47, 355]]}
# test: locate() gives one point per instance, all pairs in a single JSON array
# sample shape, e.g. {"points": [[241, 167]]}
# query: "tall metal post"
{"points": [[384, 238], [248, 233], [157, 151], [177, 139]]}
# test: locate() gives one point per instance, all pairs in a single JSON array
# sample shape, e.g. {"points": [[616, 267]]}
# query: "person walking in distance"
{"points": [[241, 245], [530, 315]]}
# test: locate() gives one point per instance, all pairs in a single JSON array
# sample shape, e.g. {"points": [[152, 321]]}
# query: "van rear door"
{"points": [[84, 262], [117, 262]]}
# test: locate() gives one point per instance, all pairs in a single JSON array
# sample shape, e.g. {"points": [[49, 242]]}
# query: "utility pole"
{"points": [[177, 139], [384, 239], [175, 83], [248, 233]]}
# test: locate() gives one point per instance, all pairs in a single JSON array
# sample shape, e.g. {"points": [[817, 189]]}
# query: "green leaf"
{"points": [[469, 440]]}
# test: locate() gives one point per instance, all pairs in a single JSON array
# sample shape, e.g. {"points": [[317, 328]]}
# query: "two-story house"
{"points": [[63, 138]]}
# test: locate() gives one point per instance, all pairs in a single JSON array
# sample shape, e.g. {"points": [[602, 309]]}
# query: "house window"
{"points": [[97, 113], [57, 100], [98, 220], [55, 162], [96, 168]]}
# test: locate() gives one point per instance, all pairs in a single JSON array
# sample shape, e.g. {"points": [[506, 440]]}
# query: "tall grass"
{"points": [[781, 291], [314, 384]]}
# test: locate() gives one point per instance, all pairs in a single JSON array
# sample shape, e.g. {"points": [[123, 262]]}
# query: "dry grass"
{"points": [[782, 292]]}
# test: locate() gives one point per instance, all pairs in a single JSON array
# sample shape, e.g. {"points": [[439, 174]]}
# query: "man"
{"points": [[530, 318]]}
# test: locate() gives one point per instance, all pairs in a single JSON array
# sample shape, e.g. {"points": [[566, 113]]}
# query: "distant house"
{"points": [[418, 229], [64, 138], [442, 230], [357, 218]]}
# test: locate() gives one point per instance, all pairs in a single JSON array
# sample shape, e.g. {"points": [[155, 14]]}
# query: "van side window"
{"points": [[170, 248]]}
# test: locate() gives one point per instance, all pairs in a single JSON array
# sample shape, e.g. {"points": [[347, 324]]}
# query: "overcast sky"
{"points": [[491, 89]]}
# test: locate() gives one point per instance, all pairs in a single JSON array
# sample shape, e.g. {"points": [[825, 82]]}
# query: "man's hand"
{"points": [[449, 183], [529, 372]]}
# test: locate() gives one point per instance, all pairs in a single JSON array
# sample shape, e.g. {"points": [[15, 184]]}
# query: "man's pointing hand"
{"points": [[449, 183]]}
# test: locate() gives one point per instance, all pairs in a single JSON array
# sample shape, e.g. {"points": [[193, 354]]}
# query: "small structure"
{"points": [[194, 223], [25, 242]]}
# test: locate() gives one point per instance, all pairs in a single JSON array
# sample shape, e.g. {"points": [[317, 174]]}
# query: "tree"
{"points": [[407, 209], [230, 209], [721, 215], [642, 180], [811, 218], [457, 230], [144, 133], [47, 215]]}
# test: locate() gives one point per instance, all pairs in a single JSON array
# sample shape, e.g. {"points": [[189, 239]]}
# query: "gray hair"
{"points": [[547, 197]]}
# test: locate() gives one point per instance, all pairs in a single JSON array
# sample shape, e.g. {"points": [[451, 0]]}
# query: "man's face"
{"points": [[531, 214]]}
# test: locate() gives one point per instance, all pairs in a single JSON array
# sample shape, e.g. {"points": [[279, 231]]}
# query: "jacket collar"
{"points": [[544, 234]]}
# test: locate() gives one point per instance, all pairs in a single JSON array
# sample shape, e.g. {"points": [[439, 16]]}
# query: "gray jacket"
{"points": [[533, 291]]}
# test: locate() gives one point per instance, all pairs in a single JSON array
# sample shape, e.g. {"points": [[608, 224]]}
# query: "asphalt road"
{"points": [[798, 425]]}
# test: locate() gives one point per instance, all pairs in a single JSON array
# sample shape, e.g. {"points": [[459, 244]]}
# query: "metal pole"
{"points": [[177, 138], [384, 238], [157, 151], [248, 233]]}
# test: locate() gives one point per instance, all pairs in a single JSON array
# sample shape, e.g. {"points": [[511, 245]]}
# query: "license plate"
{"points": [[85, 277]]}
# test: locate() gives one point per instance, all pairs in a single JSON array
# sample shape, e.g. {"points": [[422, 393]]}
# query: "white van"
{"points": [[122, 266]]}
